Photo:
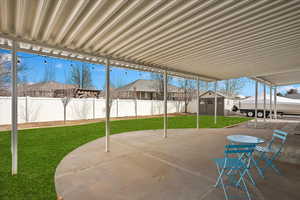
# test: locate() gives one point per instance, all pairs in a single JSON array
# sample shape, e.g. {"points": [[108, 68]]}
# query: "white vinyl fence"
{"points": [[38, 109]]}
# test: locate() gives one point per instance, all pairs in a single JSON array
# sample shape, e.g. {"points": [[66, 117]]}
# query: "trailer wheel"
{"points": [[260, 114], [250, 114]]}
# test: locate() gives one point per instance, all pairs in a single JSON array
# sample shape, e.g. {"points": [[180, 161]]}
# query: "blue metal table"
{"points": [[247, 139]]}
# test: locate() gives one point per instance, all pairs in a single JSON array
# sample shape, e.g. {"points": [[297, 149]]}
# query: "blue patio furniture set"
{"points": [[238, 160]]}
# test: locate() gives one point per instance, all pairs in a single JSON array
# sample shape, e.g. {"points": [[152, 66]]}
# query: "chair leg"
{"points": [[220, 180], [246, 171], [245, 187], [269, 163], [261, 157], [260, 172], [276, 169], [224, 189], [219, 177]]}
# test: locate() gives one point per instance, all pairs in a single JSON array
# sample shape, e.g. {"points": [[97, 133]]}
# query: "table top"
{"points": [[245, 139]]}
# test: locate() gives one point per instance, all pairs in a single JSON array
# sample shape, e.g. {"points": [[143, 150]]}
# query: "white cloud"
{"points": [[98, 69], [5, 57], [59, 65]]}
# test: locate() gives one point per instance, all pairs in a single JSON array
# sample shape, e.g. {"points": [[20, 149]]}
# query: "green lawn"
{"points": [[41, 150]]}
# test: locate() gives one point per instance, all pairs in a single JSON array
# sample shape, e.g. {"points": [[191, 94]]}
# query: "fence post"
{"points": [[65, 109], [117, 108], [135, 107], [94, 114], [26, 109], [151, 106]]}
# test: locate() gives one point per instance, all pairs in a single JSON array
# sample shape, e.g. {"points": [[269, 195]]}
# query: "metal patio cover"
{"points": [[214, 39]]}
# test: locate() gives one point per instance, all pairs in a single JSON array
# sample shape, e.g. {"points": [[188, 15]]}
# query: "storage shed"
{"points": [[207, 103]]}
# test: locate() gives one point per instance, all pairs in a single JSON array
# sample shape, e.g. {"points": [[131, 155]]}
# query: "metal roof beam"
{"points": [[48, 48]]}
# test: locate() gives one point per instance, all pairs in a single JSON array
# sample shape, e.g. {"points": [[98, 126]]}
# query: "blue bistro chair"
{"points": [[271, 152], [234, 167]]}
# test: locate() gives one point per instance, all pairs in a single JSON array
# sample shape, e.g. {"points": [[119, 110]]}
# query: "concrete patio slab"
{"points": [[144, 165], [289, 124]]}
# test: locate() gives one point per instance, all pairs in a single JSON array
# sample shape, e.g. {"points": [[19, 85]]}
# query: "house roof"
{"points": [[52, 85], [220, 94], [147, 86]]}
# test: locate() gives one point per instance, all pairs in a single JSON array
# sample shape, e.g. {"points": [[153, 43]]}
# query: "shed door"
{"points": [[207, 106]]}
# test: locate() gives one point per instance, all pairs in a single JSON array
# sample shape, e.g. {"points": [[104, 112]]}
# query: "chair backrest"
{"points": [[238, 149], [278, 135]]}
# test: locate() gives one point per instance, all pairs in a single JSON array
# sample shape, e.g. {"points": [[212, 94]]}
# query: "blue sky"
{"points": [[36, 69]]}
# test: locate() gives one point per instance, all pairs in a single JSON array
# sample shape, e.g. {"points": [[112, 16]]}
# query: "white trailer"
{"points": [[284, 106]]}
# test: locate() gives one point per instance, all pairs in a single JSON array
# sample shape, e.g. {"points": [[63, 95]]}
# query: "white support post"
{"points": [[270, 112], [198, 104], [275, 102], [165, 103], [107, 107], [216, 103], [206, 86], [265, 102], [256, 94], [14, 111]]}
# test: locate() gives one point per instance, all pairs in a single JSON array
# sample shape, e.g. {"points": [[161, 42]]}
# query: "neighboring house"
{"points": [[293, 96], [55, 89], [207, 103], [147, 90], [4, 92], [78, 93], [44, 89]]}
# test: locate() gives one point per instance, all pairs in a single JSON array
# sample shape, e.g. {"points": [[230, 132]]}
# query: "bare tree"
{"points": [[203, 84], [188, 89], [49, 73], [5, 72], [233, 86], [65, 101], [113, 93], [120, 82], [81, 76], [160, 83]]}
